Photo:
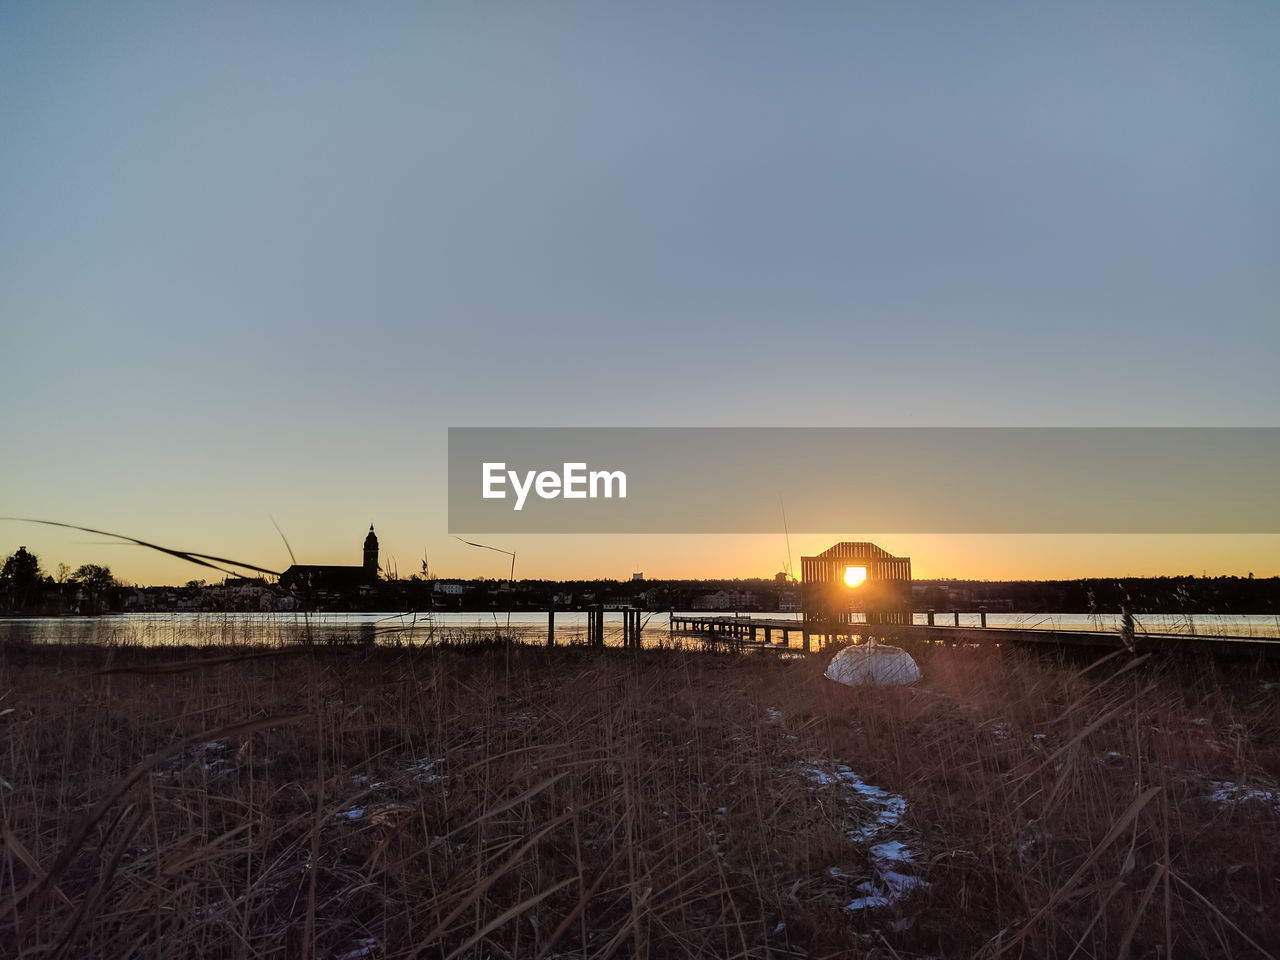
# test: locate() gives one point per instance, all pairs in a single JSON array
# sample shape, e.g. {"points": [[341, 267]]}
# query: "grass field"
{"points": [[478, 799]]}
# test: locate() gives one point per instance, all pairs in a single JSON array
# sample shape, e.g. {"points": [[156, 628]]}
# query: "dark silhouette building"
{"points": [[327, 578], [371, 555], [856, 581]]}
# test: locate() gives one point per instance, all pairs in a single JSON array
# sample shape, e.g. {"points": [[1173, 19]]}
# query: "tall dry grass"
{"points": [[487, 800]]}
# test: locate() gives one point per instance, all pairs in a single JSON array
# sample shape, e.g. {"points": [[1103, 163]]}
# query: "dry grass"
{"points": [[499, 801]]}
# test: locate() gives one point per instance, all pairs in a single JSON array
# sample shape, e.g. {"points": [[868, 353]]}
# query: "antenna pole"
{"points": [[787, 533]]}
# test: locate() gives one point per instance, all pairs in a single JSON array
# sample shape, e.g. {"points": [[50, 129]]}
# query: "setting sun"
{"points": [[854, 576]]}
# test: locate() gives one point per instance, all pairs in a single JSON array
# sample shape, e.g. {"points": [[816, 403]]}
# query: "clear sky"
{"points": [[256, 258]]}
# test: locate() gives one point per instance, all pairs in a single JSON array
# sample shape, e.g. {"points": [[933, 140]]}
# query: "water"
{"points": [[1201, 624], [274, 629]]}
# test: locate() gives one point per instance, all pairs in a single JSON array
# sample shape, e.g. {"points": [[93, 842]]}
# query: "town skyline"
{"points": [[676, 557]]}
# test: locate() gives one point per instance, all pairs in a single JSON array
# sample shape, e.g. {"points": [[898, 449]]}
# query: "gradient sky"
{"points": [[256, 258]]}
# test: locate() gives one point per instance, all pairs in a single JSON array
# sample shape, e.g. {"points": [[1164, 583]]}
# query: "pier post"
{"points": [[982, 612], [931, 618], [956, 614], [551, 627]]}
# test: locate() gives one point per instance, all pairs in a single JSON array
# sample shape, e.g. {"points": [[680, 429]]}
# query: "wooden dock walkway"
{"points": [[749, 629], [761, 632]]}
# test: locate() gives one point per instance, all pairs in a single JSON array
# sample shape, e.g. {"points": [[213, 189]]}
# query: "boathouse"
{"points": [[856, 582]]}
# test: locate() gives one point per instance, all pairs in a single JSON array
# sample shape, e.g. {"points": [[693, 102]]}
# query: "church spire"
{"points": [[371, 555]]}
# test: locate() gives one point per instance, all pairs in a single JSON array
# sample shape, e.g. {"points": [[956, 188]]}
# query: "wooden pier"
{"points": [[744, 629], [632, 626], [761, 633]]}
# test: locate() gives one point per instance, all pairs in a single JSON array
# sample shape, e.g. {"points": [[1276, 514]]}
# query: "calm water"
{"points": [[279, 628]]}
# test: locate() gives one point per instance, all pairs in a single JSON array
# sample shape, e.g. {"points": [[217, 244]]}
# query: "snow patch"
{"points": [[364, 948], [892, 850], [424, 770], [891, 806], [1228, 793], [892, 884]]}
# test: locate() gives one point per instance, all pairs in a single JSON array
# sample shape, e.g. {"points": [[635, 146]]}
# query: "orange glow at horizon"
{"points": [[661, 557]]}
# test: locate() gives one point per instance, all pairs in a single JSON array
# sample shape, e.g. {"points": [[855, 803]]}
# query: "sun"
{"points": [[854, 576]]}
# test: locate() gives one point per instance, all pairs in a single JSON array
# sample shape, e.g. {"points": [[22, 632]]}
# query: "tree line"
{"points": [[26, 588]]}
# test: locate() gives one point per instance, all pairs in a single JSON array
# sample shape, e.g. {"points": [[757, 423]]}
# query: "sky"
{"points": [[255, 259]]}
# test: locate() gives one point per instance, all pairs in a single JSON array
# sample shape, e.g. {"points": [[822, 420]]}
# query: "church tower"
{"points": [[371, 555]]}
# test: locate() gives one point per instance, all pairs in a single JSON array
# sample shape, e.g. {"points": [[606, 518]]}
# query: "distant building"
{"points": [[327, 578], [725, 600], [637, 576], [241, 593]]}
